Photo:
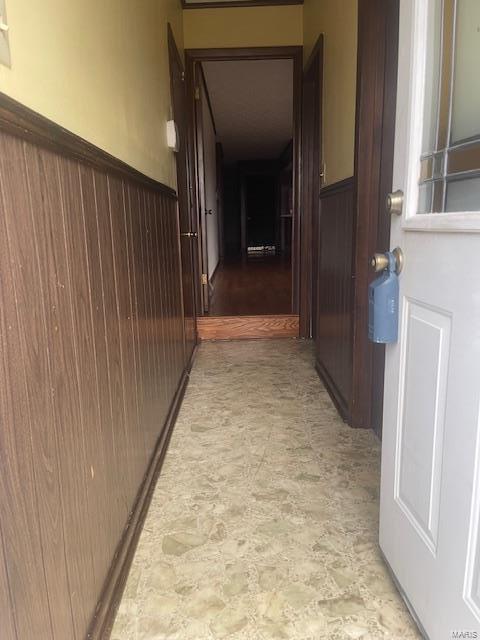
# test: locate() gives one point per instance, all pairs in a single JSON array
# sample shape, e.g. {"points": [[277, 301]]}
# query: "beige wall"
{"points": [[100, 69], [243, 27], [337, 20]]}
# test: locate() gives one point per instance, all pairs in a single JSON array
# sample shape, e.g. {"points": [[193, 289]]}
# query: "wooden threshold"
{"points": [[247, 327]]}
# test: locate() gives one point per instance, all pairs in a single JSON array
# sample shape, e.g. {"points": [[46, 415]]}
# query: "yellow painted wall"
{"points": [[100, 69], [337, 20], [243, 27]]}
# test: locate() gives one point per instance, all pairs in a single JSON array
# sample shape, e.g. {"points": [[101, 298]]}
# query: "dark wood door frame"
{"points": [[195, 56], [375, 131], [186, 223], [199, 191], [311, 183]]}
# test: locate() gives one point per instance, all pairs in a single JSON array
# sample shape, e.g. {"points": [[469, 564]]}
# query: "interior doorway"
{"points": [[187, 225], [245, 123]]}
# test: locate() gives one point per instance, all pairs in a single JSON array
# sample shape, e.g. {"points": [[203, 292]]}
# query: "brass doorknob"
{"points": [[379, 261], [190, 234], [395, 203]]}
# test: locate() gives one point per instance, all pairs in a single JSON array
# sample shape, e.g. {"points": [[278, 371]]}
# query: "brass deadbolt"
{"points": [[395, 203]]}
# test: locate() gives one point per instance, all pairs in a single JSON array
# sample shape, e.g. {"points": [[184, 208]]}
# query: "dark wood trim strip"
{"points": [[337, 187], [314, 52], [102, 623], [312, 161], [333, 391], [240, 3], [207, 95], [244, 53], [173, 49], [20, 121]]}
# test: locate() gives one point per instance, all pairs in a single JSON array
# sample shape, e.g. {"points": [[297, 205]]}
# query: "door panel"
{"points": [[430, 487], [472, 582], [424, 366], [186, 223]]}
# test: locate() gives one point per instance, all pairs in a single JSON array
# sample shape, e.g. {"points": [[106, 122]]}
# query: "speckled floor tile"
{"points": [[263, 524]]}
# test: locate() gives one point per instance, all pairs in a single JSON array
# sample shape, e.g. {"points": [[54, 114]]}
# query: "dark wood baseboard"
{"points": [[104, 617], [248, 327], [338, 400]]}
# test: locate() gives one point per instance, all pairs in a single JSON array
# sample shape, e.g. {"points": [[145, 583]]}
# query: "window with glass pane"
{"points": [[450, 162]]}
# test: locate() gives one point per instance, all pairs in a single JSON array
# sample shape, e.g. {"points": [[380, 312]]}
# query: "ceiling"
{"points": [[252, 104]]}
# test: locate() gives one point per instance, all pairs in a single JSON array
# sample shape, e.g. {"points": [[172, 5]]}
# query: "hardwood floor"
{"points": [[252, 286]]}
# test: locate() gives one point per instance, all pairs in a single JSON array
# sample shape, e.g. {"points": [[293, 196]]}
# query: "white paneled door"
{"points": [[430, 493]]}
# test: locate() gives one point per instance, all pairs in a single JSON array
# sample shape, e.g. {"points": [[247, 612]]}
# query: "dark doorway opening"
{"points": [[260, 206], [252, 99]]}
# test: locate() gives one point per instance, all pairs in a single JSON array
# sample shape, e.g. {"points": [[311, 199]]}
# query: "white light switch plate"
{"points": [[4, 42]]}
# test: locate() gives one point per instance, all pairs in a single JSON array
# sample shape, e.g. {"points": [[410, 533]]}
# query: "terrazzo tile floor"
{"points": [[263, 523]]}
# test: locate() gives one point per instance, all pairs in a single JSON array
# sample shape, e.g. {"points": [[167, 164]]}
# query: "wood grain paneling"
{"points": [[248, 327], [334, 323], [25, 494], [92, 367]]}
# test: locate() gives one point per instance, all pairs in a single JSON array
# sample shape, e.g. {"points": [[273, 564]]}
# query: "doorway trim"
{"points": [[378, 31], [185, 211], [312, 162], [295, 53]]}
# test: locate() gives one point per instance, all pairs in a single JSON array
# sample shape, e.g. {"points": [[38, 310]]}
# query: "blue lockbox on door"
{"points": [[383, 295]]}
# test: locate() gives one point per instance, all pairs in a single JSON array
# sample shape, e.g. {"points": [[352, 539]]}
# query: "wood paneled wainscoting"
{"points": [[334, 318], [93, 366]]}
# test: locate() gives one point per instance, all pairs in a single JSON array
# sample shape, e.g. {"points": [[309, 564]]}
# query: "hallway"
{"points": [[263, 523], [258, 285]]}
